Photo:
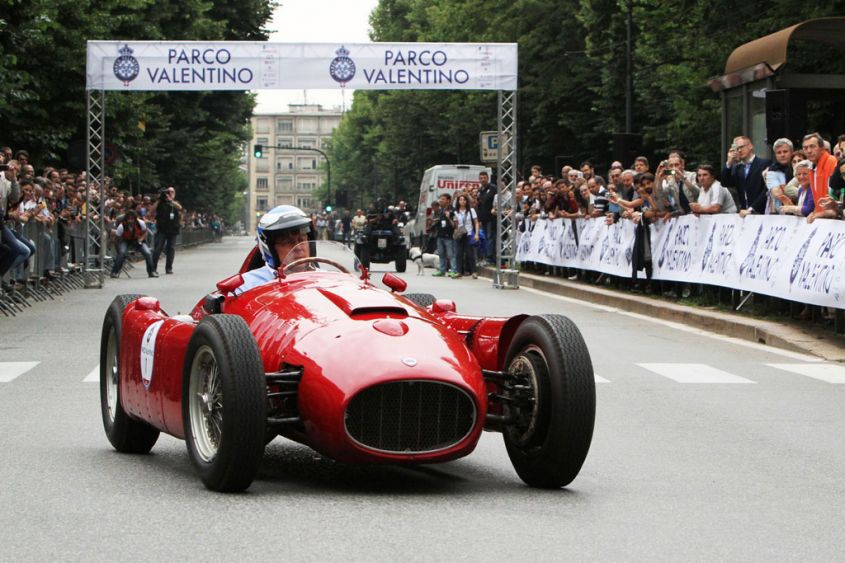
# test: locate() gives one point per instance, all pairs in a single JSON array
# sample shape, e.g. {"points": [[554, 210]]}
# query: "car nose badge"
{"points": [[410, 362]]}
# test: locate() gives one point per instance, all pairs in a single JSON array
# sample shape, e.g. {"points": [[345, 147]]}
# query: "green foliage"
{"points": [[572, 82], [192, 140]]}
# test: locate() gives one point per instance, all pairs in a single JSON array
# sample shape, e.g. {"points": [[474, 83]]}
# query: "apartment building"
{"points": [[285, 174]]}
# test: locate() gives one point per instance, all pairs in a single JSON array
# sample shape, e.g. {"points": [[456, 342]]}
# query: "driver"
{"points": [[279, 231]]}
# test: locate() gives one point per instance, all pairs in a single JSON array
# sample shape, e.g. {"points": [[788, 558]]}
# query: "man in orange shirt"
{"points": [[824, 165]]}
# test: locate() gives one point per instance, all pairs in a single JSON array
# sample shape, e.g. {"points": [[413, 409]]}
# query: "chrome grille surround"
{"points": [[410, 416]]}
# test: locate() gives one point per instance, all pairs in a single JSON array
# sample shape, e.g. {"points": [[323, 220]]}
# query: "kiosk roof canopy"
{"points": [[771, 49]]}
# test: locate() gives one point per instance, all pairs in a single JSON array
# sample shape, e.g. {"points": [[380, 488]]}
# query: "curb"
{"points": [[785, 336]]}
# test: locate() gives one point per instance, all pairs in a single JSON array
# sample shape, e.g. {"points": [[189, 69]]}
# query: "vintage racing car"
{"points": [[322, 356]]}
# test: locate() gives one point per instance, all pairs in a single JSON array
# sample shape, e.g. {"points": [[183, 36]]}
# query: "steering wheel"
{"points": [[316, 260]]}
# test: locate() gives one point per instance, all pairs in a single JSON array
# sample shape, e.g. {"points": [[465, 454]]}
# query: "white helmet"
{"points": [[278, 220]]}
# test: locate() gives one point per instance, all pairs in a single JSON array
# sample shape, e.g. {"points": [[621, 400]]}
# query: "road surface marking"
{"points": [[11, 370], [825, 372], [600, 379], [694, 373], [678, 326], [94, 376]]}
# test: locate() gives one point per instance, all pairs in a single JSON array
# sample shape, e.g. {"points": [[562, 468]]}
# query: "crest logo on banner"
{"points": [[796, 266], [342, 68], [126, 67]]}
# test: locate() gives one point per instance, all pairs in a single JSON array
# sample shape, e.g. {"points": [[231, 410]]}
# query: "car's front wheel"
{"points": [[224, 406], [552, 409]]}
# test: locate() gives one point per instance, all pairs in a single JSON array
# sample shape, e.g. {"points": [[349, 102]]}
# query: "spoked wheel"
{"points": [[552, 404], [205, 401], [125, 434], [224, 403]]}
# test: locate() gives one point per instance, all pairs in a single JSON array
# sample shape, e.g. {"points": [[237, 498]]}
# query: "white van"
{"points": [[443, 178]]}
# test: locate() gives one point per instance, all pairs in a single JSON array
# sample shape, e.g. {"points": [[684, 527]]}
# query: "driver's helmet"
{"points": [[280, 219]]}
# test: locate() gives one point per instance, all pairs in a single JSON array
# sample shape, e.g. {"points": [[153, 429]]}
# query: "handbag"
{"points": [[460, 231]]}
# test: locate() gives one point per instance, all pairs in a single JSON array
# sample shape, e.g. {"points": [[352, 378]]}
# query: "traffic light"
{"points": [[257, 150], [328, 209]]}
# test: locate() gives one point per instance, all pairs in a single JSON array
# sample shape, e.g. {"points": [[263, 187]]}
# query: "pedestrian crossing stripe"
{"points": [[10, 370], [694, 373], [94, 376], [825, 372]]}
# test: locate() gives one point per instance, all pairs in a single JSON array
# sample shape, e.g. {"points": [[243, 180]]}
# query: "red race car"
{"points": [[321, 356]]}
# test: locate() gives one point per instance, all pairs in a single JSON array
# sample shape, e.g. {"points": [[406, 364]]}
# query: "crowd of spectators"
{"points": [[56, 201]]}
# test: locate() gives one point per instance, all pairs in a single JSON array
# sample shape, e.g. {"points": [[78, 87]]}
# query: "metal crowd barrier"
{"points": [[56, 263]]}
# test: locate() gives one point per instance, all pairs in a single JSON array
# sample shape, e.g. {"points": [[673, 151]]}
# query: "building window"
{"points": [[304, 202], [308, 125], [284, 184], [284, 142], [262, 126], [261, 204], [284, 163], [284, 126], [261, 184], [308, 143], [305, 186], [306, 163]]}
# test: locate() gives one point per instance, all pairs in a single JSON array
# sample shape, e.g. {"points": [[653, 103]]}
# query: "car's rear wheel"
{"points": [[554, 402], [421, 299], [224, 403], [124, 433]]}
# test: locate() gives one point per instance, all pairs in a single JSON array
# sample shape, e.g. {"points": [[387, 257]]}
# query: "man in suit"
{"points": [[744, 171]]}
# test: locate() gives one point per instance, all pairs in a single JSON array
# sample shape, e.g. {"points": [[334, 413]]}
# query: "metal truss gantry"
{"points": [[94, 214], [506, 276]]}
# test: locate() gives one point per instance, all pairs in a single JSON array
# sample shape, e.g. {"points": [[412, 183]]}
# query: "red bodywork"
{"points": [[345, 334]]}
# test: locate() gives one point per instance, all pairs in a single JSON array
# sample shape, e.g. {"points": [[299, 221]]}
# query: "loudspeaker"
{"points": [[786, 115], [627, 147]]}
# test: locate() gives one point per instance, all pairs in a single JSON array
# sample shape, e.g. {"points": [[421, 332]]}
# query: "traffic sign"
{"points": [[490, 146]]}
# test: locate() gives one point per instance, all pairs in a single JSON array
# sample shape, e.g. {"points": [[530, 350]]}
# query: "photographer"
{"points": [[131, 233], [168, 220], [676, 186]]}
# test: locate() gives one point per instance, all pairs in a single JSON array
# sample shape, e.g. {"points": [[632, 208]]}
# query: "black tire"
{"points": [[364, 255], [421, 299], [548, 442], [125, 434], [401, 259], [226, 443]]}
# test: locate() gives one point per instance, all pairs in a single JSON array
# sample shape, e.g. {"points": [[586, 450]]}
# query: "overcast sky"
{"points": [[316, 21]]}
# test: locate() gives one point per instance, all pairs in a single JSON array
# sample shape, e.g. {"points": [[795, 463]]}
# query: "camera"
{"points": [[668, 172]]}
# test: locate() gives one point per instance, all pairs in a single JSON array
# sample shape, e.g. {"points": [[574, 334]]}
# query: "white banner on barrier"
{"points": [[674, 248], [246, 65], [782, 256]]}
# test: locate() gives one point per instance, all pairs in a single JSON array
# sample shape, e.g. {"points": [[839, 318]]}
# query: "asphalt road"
{"points": [[703, 450]]}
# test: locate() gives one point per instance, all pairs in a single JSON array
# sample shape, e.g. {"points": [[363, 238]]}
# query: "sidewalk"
{"points": [[807, 340]]}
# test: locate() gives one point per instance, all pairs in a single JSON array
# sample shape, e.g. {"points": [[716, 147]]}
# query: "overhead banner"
{"points": [[782, 256], [252, 65]]}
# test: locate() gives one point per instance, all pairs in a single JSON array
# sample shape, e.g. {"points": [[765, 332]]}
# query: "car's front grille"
{"points": [[410, 416]]}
